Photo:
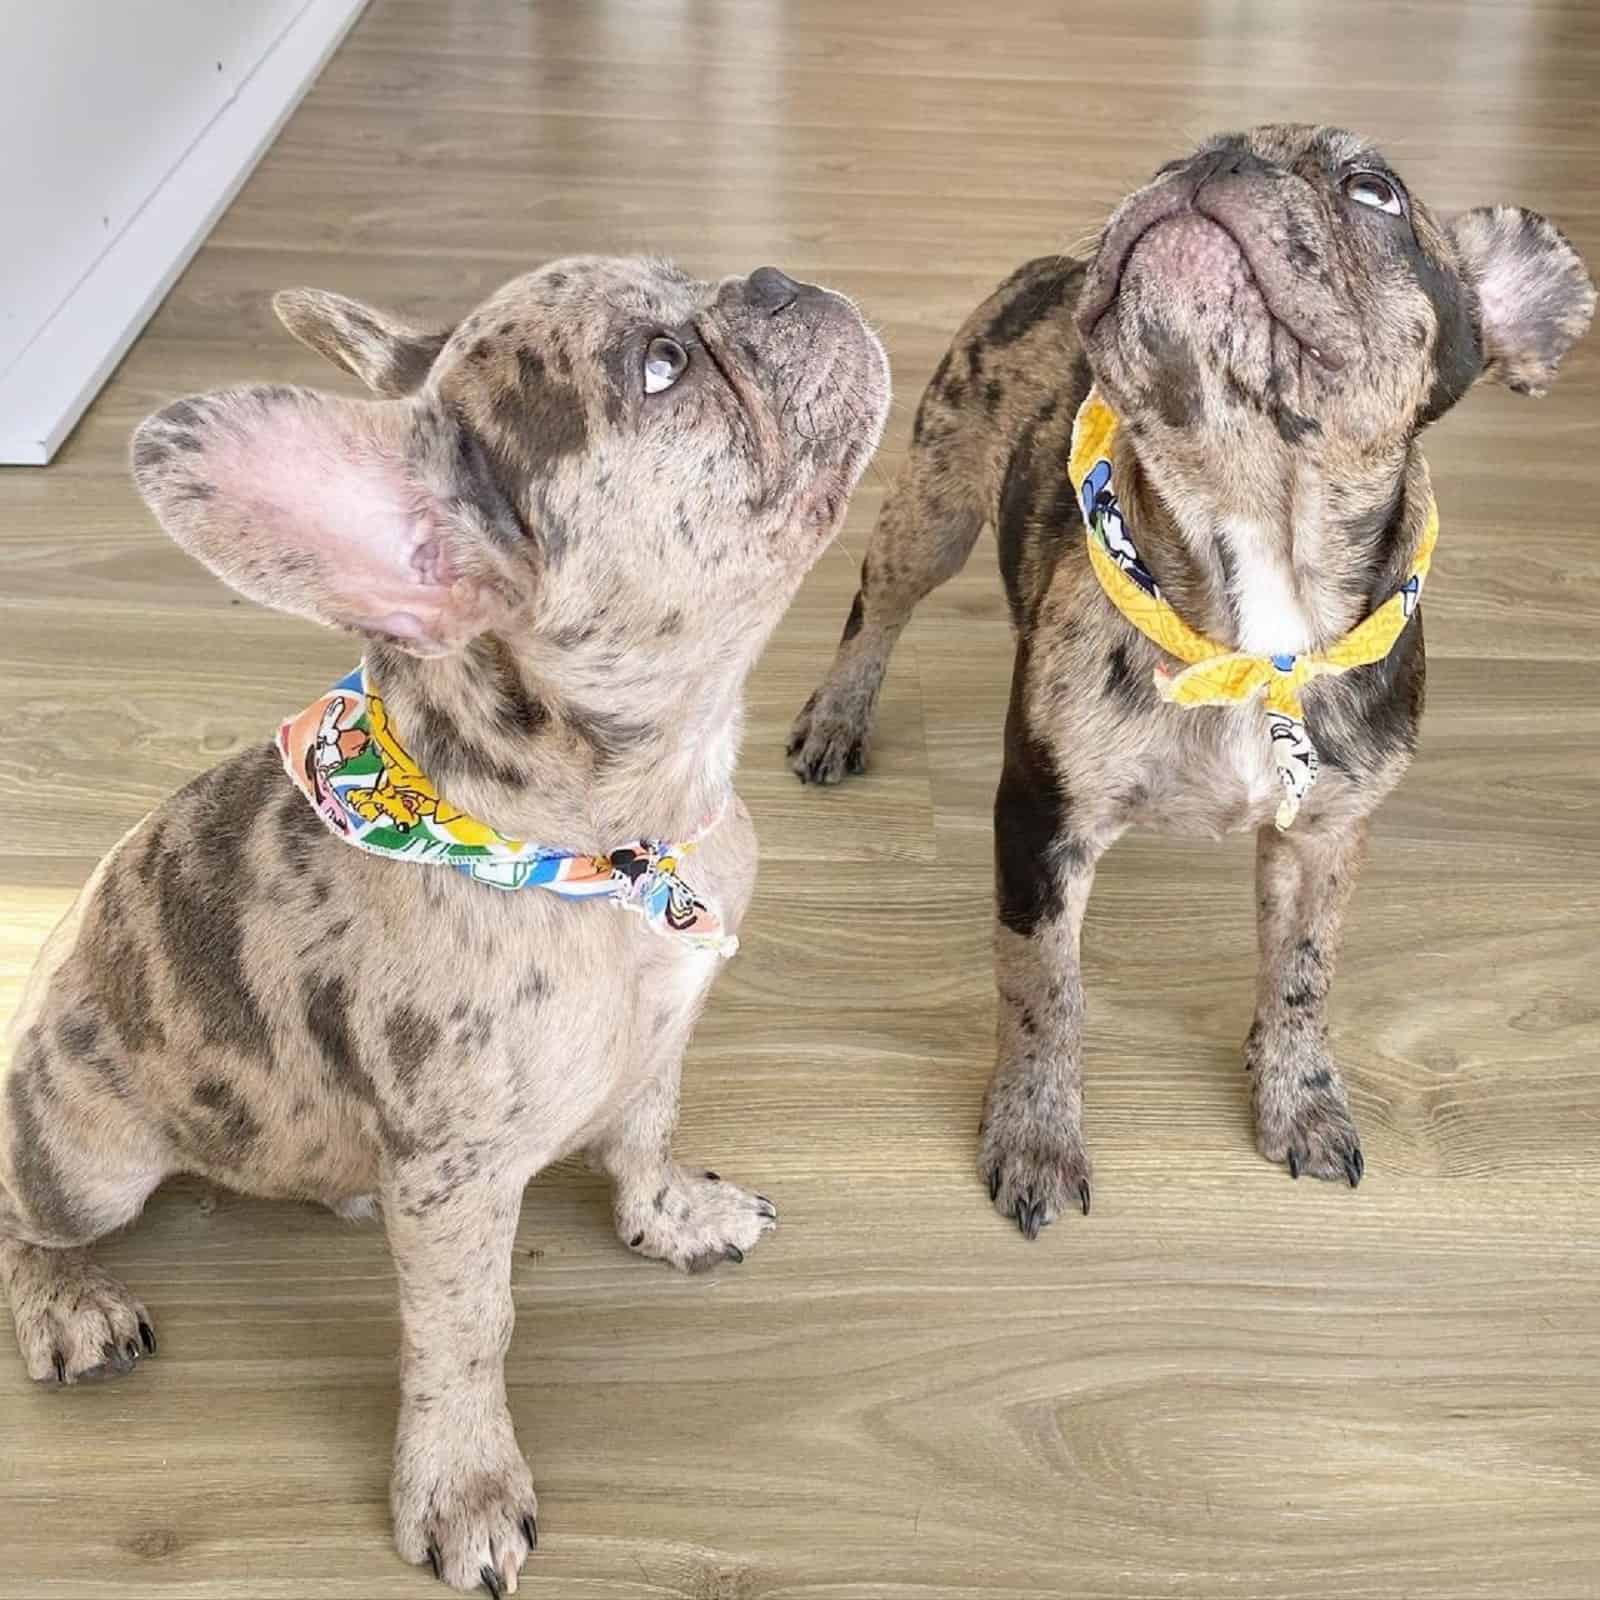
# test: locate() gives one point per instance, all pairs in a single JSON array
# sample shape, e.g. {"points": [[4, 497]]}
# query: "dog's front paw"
{"points": [[828, 741], [1303, 1118], [463, 1502], [75, 1322], [693, 1220], [1035, 1169]]}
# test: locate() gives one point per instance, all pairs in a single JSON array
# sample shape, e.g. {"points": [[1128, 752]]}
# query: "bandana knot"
{"points": [[1211, 673], [344, 756]]}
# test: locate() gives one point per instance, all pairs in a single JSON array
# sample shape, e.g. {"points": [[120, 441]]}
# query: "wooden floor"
{"points": [[1223, 1383]]}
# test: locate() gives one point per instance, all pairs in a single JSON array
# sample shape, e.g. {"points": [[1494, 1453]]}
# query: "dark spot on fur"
{"points": [[1178, 394], [200, 895], [327, 1017], [183, 414], [1320, 1079], [1457, 347], [412, 1038], [542, 419], [1032, 294], [481, 480], [1017, 493], [532, 989], [552, 528], [76, 1035], [606, 733], [1121, 684], [1032, 812], [1295, 999], [443, 749], [236, 1130], [37, 1182], [518, 713], [1292, 426]]}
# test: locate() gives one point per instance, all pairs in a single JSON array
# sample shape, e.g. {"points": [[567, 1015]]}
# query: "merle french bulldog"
{"points": [[564, 530], [1245, 366]]}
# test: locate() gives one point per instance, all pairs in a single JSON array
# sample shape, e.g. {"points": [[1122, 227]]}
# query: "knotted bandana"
{"points": [[347, 760], [1214, 675]]}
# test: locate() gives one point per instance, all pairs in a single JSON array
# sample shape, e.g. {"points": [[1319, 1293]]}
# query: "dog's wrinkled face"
{"points": [[601, 435], [1285, 281]]}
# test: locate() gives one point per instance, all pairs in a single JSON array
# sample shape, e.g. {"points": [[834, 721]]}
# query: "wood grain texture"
{"points": [[1223, 1383]]}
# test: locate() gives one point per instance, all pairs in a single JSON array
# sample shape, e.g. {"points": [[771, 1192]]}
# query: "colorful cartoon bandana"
{"points": [[1214, 675], [346, 759]]}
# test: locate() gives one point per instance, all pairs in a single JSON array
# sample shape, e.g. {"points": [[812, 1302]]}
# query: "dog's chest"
{"points": [[1212, 773]]}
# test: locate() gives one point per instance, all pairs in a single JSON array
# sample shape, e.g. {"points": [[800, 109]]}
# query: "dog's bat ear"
{"points": [[383, 517], [390, 357], [1535, 299]]}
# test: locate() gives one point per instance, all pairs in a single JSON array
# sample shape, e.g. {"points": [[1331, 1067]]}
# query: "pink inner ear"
{"points": [[334, 516]]}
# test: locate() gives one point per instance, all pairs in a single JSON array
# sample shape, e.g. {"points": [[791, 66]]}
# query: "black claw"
{"points": [[1083, 1194], [530, 1532], [1029, 1217], [734, 1253], [636, 1241], [1353, 1166], [61, 1367], [131, 1349], [1294, 1163], [491, 1582], [147, 1335], [994, 1184], [433, 1560], [714, 1177], [855, 761]]}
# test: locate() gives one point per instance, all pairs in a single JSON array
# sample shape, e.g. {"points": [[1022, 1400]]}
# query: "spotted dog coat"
{"points": [[563, 576], [1274, 319]]}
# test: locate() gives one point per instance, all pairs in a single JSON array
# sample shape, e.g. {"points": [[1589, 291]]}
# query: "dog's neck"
{"points": [[575, 744], [1277, 553]]}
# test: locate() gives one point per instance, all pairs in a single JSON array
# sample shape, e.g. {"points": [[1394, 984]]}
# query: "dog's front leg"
{"points": [[688, 1216], [1304, 877], [1032, 1152], [461, 1494]]}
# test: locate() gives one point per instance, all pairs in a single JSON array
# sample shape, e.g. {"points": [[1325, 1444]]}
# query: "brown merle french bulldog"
{"points": [[1274, 320], [566, 533]]}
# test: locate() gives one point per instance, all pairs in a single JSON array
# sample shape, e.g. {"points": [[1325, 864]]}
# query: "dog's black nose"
{"points": [[771, 291]]}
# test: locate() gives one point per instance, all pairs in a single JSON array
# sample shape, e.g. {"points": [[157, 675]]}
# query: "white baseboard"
{"points": [[52, 382]]}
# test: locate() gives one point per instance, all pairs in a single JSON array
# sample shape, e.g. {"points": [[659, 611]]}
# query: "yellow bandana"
{"points": [[1214, 675]]}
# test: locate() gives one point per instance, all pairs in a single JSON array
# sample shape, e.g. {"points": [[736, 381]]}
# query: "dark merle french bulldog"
{"points": [[1272, 320]]}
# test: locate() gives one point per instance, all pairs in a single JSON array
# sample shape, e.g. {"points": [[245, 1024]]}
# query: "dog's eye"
{"points": [[1368, 189], [664, 361]]}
